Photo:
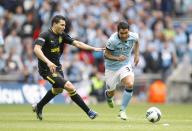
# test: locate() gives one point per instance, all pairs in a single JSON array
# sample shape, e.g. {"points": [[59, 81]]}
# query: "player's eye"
{"points": [[123, 33]]}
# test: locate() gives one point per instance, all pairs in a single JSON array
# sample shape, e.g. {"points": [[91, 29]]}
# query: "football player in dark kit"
{"points": [[48, 48]]}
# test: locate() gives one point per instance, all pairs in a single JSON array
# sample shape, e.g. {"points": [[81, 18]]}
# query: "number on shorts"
{"points": [[128, 68]]}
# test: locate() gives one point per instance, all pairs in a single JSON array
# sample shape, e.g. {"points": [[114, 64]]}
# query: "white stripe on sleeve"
{"points": [[42, 39]]}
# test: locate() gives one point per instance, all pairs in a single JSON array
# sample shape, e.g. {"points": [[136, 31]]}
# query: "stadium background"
{"points": [[165, 31]]}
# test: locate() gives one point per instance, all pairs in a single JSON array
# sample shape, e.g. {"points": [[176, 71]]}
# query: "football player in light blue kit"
{"points": [[118, 68]]}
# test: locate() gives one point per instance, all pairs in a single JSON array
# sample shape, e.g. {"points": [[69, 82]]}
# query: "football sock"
{"points": [[127, 94], [46, 99], [78, 100]]}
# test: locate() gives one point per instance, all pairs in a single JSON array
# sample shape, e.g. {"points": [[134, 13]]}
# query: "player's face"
{"points": [[60, 27], [123, 34]]}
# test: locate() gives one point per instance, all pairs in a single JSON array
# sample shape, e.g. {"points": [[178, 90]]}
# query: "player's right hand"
{"points": [[122, 58], [52, 67]]}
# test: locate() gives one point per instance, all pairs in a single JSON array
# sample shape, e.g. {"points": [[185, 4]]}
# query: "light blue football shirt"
{"points": [[118, 47]]}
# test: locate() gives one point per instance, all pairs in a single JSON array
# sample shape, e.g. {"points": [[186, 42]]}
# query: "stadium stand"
{"points": [[164, 27]]}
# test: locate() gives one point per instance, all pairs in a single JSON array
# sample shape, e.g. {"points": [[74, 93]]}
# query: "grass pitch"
{"points": [[70, 118]]}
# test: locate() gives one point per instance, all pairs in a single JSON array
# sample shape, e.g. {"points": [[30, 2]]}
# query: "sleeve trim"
{"points": [[109, 49], [41, 39]]}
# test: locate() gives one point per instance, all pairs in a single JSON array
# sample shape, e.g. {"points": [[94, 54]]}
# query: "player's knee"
{"points": [[111, 93], [129, 85], [69, 86], [57, 90]]}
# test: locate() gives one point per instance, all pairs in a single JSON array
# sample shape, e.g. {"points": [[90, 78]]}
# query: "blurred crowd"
{"points": [[164, 43]]}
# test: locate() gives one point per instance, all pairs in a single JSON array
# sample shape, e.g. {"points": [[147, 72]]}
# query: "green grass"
{"points": [[70, 117]]}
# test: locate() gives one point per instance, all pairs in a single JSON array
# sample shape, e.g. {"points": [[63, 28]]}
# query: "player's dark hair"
{"points": [[56, 19], [122, 25]]}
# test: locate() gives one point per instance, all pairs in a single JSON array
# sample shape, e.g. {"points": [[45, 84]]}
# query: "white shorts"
{"points": [[113, 78]]}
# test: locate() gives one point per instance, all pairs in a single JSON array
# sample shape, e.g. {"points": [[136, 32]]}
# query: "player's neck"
{"points": [[121, 39], [54, 31]]}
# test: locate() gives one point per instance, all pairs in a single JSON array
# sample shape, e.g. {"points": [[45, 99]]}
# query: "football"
{"points": [[153, 114]]}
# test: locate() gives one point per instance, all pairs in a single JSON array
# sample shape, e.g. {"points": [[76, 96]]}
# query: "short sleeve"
{"points": [[110, 44], [67, 39], [136, 36], [41, 39]]}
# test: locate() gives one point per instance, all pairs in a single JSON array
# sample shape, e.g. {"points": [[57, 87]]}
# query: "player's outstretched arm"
{"points": [[108, 55], [84, 46]]}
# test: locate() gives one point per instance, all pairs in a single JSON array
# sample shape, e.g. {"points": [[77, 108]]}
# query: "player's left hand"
{"points": [[99, 49], [136, 60]]}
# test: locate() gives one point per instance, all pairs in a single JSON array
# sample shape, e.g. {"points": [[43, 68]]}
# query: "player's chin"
{"points": [[124, 39], [61, 32]]}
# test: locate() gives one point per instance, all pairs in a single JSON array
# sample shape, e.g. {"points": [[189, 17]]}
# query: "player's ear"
{"points": [[54, 24]]}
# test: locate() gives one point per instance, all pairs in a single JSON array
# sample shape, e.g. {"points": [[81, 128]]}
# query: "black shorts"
{"points": [[56, 79]]}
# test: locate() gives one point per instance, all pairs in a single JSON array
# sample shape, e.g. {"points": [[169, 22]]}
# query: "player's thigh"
{"points": [[127, 76], [56, 79], [111, 79]]}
